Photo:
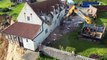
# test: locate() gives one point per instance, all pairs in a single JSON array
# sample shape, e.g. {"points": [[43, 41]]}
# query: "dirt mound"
{"points": [[3, 48]]}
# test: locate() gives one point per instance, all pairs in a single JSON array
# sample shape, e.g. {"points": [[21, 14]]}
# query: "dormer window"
{"points": [[51, 12], [50, 16], [58, 7], [53, 9], [56, 11], [28, 18], [62, 7]]}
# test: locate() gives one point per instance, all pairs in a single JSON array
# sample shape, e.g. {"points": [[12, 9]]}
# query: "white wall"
{"points": [[40, 38], [27, 11], [28, 44]]}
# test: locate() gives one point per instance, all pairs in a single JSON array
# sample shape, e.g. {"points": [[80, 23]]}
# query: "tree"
{"points": [[13, 1]]}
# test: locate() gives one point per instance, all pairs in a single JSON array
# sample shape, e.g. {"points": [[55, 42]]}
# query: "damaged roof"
{"points": [[45, 6], [24, 30], [101, 8]]}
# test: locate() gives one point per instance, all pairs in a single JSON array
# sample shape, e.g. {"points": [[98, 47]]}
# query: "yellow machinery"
{"points": [[73, 8], [89, 30]]}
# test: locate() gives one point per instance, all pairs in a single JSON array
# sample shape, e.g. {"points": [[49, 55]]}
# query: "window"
{"points": [[46, 31], [10, 37], [55, 22], [26, 40], [14, 37], [56, 12], [28, 18], [60, 9], [50, 16], [58, 16]]}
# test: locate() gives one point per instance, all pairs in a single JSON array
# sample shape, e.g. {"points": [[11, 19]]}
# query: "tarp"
{"points": [[70, 1]]}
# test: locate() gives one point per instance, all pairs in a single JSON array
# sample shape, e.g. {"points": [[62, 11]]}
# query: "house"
{"points": [[20, 1], [90, 11], [31, 1], [35, 22]]}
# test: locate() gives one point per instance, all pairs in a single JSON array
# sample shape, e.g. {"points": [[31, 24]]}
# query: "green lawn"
{"points": [[5, 3], [102, 18], [16, 10]]}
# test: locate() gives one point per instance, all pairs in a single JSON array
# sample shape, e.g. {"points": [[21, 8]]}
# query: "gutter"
{"points": [[40, 32]]}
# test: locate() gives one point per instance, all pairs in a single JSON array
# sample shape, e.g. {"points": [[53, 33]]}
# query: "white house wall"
{"points": [[27, 11], [40, 38], [57, 20], [28, 44]]}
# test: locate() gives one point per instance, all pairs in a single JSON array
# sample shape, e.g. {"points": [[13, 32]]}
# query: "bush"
{"points": [[5, 10], [70, 49], [95, 56], [104, 57], [0, 9]]}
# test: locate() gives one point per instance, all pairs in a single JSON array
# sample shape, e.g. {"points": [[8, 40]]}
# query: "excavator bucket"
{"points": [[87, 19]]}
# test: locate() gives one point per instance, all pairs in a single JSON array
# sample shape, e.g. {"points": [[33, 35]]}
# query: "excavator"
{"points": [[89, 30]]}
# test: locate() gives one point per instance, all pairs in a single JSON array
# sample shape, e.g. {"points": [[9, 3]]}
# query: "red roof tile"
{"points": [[23, 30], [45, 6]]}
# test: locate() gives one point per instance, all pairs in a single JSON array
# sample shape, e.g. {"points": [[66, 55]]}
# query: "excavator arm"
{"points": [[79, 13], [70, 11]]}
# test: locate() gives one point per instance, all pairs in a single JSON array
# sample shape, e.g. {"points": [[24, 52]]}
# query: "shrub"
{"points": [[5, 10], [95, 56], [70, 49], [104, 57]]}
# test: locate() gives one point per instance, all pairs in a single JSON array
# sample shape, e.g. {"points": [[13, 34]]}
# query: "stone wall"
{"points": [[40, 0], [62, 55]]}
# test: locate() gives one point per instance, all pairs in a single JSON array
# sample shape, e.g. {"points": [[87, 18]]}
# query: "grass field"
{"points": [[5, 3]]}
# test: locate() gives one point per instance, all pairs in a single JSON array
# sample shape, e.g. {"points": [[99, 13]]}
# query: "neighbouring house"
{"points": [[90, 11], [20, 1], [35, 22]]}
